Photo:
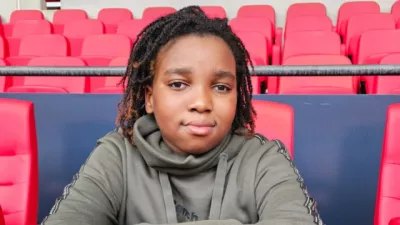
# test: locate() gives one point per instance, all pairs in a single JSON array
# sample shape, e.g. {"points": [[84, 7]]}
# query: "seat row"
{"points": [[19, 208], [276, 85]]}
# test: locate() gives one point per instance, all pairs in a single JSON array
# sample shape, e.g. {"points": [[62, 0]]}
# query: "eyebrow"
{"points": [[219, 74]]}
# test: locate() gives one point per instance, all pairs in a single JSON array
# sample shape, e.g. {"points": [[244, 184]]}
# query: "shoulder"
{"points": [[113, 145], [259, 146]]}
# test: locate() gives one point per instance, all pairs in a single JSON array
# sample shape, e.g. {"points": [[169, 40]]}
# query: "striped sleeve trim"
{"points": [[66, 190], [310, 203]]}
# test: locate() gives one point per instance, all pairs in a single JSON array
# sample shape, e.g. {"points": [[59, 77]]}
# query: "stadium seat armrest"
{"points": [[276, 55], [278, 36], [395, 221]]}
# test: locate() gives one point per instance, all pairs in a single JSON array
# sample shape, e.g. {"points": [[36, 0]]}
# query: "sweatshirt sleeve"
{"points": [[281, 195], [94, 195]]}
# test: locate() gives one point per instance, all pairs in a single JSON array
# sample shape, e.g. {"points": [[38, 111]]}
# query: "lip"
{"points": [[199, 128]]}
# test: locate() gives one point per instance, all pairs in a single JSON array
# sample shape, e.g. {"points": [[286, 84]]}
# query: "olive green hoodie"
{"points": [[241, 181]]}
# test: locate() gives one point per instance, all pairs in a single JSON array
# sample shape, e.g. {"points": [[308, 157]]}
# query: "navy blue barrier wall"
{"points": [[338, 141]]}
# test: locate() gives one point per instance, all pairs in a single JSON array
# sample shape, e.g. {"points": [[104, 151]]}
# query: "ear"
{"points": [[149, 100]]}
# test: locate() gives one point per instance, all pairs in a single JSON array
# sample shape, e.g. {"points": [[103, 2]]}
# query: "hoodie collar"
{"points": [[148, 139]]}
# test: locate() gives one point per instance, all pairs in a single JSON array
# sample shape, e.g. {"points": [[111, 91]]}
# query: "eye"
{"points": [[222, 88], [177, 85]]}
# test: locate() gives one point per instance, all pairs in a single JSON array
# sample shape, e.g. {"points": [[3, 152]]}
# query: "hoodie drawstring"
{"points": [[219, 186], [168, 198], [217, 195]]}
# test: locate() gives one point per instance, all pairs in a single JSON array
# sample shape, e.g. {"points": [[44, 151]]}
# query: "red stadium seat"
{"points": [[373, 46], [314, 85], [111, 17], [37, 46], [131, 28], [97, 51], [258, 11], [34, 84], [214, 11], [256, 45], [312, 43], [395, 221], [5, 82], [26, 14], [19, 157], [308, 23], [304, 9], [395, 11], [385, 84], [63, 16], [364, 22], [275, 121], [77, 30], [153, 13], [19, 15], [102, 85], [23, 28], [388, 194], [350, 9], [2, 48], [260, 25], [2, 221]]}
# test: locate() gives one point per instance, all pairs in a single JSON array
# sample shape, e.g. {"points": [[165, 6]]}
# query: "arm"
{"points": [[94, 195], [282, 197]]}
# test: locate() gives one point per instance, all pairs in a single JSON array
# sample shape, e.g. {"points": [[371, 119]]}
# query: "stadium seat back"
{"points": [[376, 44], [388, 194], [99, 46], [364, 22], [214, 11], [308, 23], [26, 14], [83, 28], [19, 157], [256, 45], [386, 84], [260, 25], [304, 9], [350, 9], [43, 45], [31, 27], [131, 28], [275, 121], [266, 11], [119, 61], [56, 84], [395, 11], [64, 16], [318, 84], [312, 43], [153, 13], [114, 15]]}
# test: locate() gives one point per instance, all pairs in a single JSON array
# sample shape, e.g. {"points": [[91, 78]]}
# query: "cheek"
{"points": [[226, 108]]}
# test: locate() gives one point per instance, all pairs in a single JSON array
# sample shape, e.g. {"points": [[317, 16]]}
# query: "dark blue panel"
{"points": [[338, 141]]}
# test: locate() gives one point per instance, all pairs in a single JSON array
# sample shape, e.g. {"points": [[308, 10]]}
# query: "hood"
{"points": [[149, 142], [148, 139]]}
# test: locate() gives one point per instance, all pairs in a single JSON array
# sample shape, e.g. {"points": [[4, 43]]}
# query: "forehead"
{"points": [[197, 52]]}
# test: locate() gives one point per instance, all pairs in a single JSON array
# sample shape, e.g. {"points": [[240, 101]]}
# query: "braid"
{"points": [[140, 71]]}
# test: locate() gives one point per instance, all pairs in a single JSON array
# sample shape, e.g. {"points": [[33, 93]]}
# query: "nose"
{"points": [[202, 100]]}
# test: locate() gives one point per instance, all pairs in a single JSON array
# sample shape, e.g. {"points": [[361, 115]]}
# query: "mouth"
{"points": [[199, 128]]}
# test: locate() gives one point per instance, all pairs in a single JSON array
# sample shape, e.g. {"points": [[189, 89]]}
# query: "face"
{"points": [[194, 93]]}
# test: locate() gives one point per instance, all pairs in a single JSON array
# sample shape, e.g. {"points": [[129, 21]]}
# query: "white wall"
{"points": [[137, 6]]}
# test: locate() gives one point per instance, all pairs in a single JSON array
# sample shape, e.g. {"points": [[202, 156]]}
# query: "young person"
{"points": [[186, 151]]}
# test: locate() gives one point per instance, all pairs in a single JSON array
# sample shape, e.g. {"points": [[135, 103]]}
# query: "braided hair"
{"points": [[139, 74]]}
